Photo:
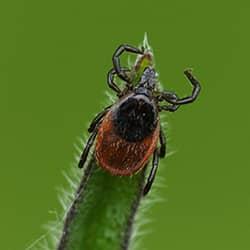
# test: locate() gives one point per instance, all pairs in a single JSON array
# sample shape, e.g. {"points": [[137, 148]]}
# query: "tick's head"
{"points": [[148, 79], [136, 116]]}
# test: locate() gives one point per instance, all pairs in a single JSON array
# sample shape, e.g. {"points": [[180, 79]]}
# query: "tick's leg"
{"points": [[116, 59], [180, 101], [111, 82], [153, 171], [170, 108], [97, 119], [93, 128], [87, 148], [166, 95], [162, 151]]}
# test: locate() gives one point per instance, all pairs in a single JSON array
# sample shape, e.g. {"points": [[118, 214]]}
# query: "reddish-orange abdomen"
{"points": [[119, 156]]}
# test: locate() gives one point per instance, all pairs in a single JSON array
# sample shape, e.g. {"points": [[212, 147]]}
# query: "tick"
{"points": [[127, 133]]}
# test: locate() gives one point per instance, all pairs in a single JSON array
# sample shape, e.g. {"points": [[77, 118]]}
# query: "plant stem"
{"points": [[102, 214]]}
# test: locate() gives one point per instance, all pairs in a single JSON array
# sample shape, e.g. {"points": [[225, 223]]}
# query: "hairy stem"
{"points": [[102, 214]]}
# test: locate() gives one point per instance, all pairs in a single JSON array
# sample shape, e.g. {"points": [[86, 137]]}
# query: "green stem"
{"points": [[102, 214]]}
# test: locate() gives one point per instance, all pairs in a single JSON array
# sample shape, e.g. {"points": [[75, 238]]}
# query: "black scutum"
{"points": [[135, 119]]}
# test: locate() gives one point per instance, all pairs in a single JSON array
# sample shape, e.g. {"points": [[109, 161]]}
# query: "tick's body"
{"points": [[127, 133]]}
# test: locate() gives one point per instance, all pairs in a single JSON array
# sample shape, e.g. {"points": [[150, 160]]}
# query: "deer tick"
{"points": [[127, 133]]}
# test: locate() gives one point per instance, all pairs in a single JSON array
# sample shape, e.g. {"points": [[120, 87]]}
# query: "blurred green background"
{"points": [[54, 56]]}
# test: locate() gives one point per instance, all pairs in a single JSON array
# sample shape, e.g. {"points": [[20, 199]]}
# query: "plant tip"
{"points": [[146, 45]]}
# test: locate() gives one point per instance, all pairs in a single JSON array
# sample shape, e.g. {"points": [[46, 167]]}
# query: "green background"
{"points": [[54, 56]]}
